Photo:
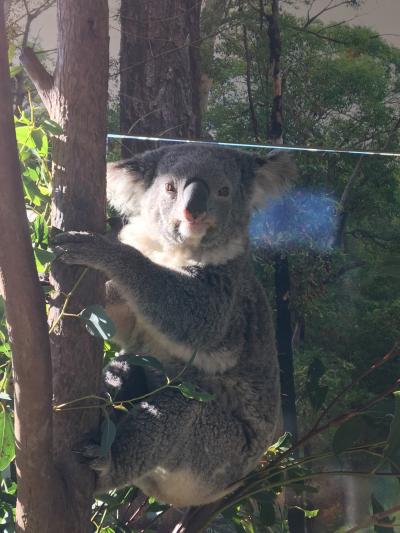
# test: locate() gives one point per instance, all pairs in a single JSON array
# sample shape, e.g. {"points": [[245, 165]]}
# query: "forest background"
{"points": [[328, 253]]}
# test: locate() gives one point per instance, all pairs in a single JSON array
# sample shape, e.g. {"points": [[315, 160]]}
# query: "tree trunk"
{"points": [[160, 70], [284, 332], [275, 48], [213, 13], [76, 98], [39, 495]]}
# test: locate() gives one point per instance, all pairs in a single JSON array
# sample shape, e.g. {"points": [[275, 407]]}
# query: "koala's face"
{"points": [[196, 195]]}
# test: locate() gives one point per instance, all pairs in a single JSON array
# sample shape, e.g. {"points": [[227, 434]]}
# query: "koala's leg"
{"points": [[124, 381], [181, 451]]}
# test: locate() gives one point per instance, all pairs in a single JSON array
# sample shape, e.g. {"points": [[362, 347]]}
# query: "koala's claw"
{"points": [[79, 247], [92, 456]]}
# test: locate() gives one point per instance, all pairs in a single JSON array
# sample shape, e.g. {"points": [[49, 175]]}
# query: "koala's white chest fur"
{"points": [[136, 234]]}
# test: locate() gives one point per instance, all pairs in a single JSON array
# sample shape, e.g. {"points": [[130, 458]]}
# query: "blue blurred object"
{"points": [[300, 219]]}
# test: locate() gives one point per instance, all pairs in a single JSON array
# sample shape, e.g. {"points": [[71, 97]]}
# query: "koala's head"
{"points": [[198, 196]]}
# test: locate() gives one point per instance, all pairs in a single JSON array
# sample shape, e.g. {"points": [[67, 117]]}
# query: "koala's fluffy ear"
{"points": [[127, 181], [274, 174]]}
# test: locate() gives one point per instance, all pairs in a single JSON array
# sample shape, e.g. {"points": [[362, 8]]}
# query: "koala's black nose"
{"points": [[195, 196]]}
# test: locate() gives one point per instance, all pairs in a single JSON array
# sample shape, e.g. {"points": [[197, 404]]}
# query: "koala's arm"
{"points": [[193, 308]]}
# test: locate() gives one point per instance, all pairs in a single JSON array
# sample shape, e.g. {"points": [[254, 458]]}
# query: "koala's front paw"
{"points": [[91, 455], [81, 248]]}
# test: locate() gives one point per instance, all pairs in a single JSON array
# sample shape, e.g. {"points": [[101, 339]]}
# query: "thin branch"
{"points": [[316, 34], [42, 80], [375, 518], [328, 7], [393, 352]]}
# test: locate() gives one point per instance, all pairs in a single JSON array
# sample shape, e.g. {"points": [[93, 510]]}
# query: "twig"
{"points": [[67, 300], [374, 519]]}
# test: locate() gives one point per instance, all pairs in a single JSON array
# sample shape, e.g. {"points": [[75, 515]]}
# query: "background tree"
{"points": [[159, 71], [20, 16]]}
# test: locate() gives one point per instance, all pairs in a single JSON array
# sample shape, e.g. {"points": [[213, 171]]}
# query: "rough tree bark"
{"points": [[160, 70], [213, 13], [253, 116], [75, 97], [275, 49], [38, 504]]}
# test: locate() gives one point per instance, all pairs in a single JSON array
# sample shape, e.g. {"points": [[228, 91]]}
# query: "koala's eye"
{"points": [[224, 191], [170, 187]]}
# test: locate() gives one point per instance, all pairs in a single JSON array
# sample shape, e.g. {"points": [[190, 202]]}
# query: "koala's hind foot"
{"points": [[91, 454]]}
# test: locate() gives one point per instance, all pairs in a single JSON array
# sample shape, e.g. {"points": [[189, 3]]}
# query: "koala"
{"points": [[182, 289]]}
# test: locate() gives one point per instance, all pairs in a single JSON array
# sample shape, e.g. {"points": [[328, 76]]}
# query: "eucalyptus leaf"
{"points": [[284, 442], [7, 441], [32, 192], [40, 231], [15, 70], [194, 393], [146, 360], [308, 513], [50, 126], [97, 322], [108, 433], [24, 136], [43, 258], [5, 348]]}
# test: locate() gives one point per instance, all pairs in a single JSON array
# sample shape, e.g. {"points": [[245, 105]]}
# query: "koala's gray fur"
{"points": [[182, 281]]}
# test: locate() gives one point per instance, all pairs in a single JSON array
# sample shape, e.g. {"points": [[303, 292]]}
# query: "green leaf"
{"points": [[284, 442], [108, 433], [40, 140], [7, 441], [32, 192], [391, 450], [349, 434], [50, 126], [43, 258], [5, 348], [308, 514], [31, 173], [194, 393], [40, 231], [97, 322], [15, 70], [24, 136], [146, 360], [120, 407]]}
